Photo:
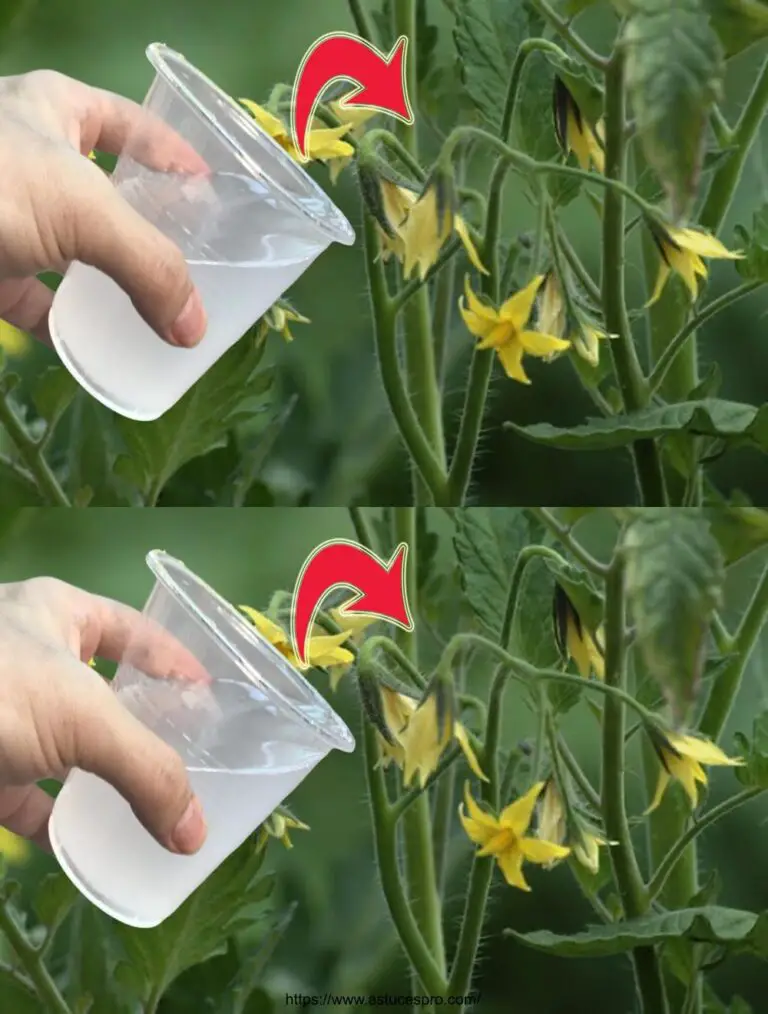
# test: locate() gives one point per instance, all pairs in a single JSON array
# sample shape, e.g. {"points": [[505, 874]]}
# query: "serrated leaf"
{"points": [[200, 421], [91, 959], [738, 23], [90, 453], [53, 393], [579, 589], [54, 900], [487, 34], [533, 636], [674, 578], [732, 421], [198, 930], [737, 930], [580, 83], [487, 542], [754, 264], [674, 71]]}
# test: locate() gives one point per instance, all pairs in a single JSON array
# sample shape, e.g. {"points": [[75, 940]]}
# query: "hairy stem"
{"points": [[31, 960], [32, 456]]}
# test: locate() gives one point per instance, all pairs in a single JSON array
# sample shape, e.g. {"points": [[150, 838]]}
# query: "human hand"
{"points": [[57, 206], [57, 713]]}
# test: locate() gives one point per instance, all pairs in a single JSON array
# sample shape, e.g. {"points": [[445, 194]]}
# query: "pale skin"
{"points": [[57, 206], [57, 713]]}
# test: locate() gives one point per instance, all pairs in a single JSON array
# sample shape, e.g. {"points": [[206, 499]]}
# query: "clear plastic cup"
{"points": [[247, 217], [249, 736]]}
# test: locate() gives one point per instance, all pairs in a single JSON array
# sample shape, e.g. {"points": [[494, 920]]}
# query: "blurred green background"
{"points": [[321, 458], [340, 938]]}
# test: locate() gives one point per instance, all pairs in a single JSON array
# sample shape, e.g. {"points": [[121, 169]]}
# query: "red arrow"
{"points": [[380, 80], [379, 586]]}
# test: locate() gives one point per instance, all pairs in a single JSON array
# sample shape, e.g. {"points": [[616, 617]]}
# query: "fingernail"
{"points": [[189, 834], [189, 327]]}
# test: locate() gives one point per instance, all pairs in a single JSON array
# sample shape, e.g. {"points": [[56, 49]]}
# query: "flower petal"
{"points": [[536, 850], [661, 281], [499, 335], [702, 243], [535, 343], [517, 816], [460, 227], [661, 786], [702, 750], [511, 865], [477, 814], [517, 309], [511, 358], [460, 735]]}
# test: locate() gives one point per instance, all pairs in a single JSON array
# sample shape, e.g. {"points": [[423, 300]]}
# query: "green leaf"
{"points": [[579, 81], [487, 34], [91, 959], [728, 927], [732, 421], [738, 23], [91, 450], [533, 636], [755, 754], [487, 541], [18, 486], [53, 393], [199, 929], [426, 43], [674, 74], [674, 578], [17, 998], [754, 264], [739, 530], [579, 589], [200, 421], [55, 898]]}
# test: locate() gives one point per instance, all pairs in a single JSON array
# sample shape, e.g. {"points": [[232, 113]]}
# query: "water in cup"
{"points": [[93, 825], [245, 245]]}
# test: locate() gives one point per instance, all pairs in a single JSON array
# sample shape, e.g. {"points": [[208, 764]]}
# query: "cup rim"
{"points": [[337, 736], [162, 57]]}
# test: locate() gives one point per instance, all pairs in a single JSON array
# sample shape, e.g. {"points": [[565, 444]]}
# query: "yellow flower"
{"points": [[574, 133], [324, 649], [551, 312], [504, 329], [324, 142], [418, 746], [586, 340], [681, 757], [279, 823], [681, 251], [553, 827], [423, 234], [14, 849], [396, 202], [586, 850], [504, 837], [573, 638], [357, 118], [352, 622], [13, 341]]}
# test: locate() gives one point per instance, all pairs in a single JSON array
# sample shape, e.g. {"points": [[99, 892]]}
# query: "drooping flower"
{"points": [[13, 848], [574, 133], [324, 649], [430, 221], [554, 826], [505, 329], [278, 318], [574, 640], [280, 822], [586, 340], [13, 341], [506, 837], [551, 310], [418, 742], [323, 142], [681, 251], [681, 758], [355, 623]]}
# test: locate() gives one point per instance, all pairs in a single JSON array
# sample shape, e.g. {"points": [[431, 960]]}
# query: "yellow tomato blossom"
{"points": [[324, 649], [13, 341], [574, 640], [279, 823], [423, 234], [505, 329], [278, 318], [574, 133], [355, 623], [551, 311], [323, 143], [397, 709], [424, 744], [14, 849], [553, 827], [396, 203], [681, 758], [682, 251], [505, 837]]}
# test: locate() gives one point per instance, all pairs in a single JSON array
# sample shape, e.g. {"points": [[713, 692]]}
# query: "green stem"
{"points": [[674, 855], [395, 652], [575, 548], [564, 30], [32, 963], [576, 265], [379, 135], [362, 527], [417, 820], [649, 475], [32, 456], [442, 820], [726, 178], [625, 869], [443, 311], [405, 24], [727, 682], [417, 283], [668, 356], [386, 346], [409, 797], [416, 949], [578, 775], [362, 21]]}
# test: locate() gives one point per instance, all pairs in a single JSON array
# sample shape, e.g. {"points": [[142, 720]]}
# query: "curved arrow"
{"points": [[379, 587], [380, 80]]}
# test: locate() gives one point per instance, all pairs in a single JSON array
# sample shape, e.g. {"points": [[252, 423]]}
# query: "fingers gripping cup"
{"points": [[247, 218], [248, 726]]}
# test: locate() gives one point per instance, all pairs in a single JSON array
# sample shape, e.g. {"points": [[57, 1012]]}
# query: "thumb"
{"points": [[101, 228], [110, 742]]}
